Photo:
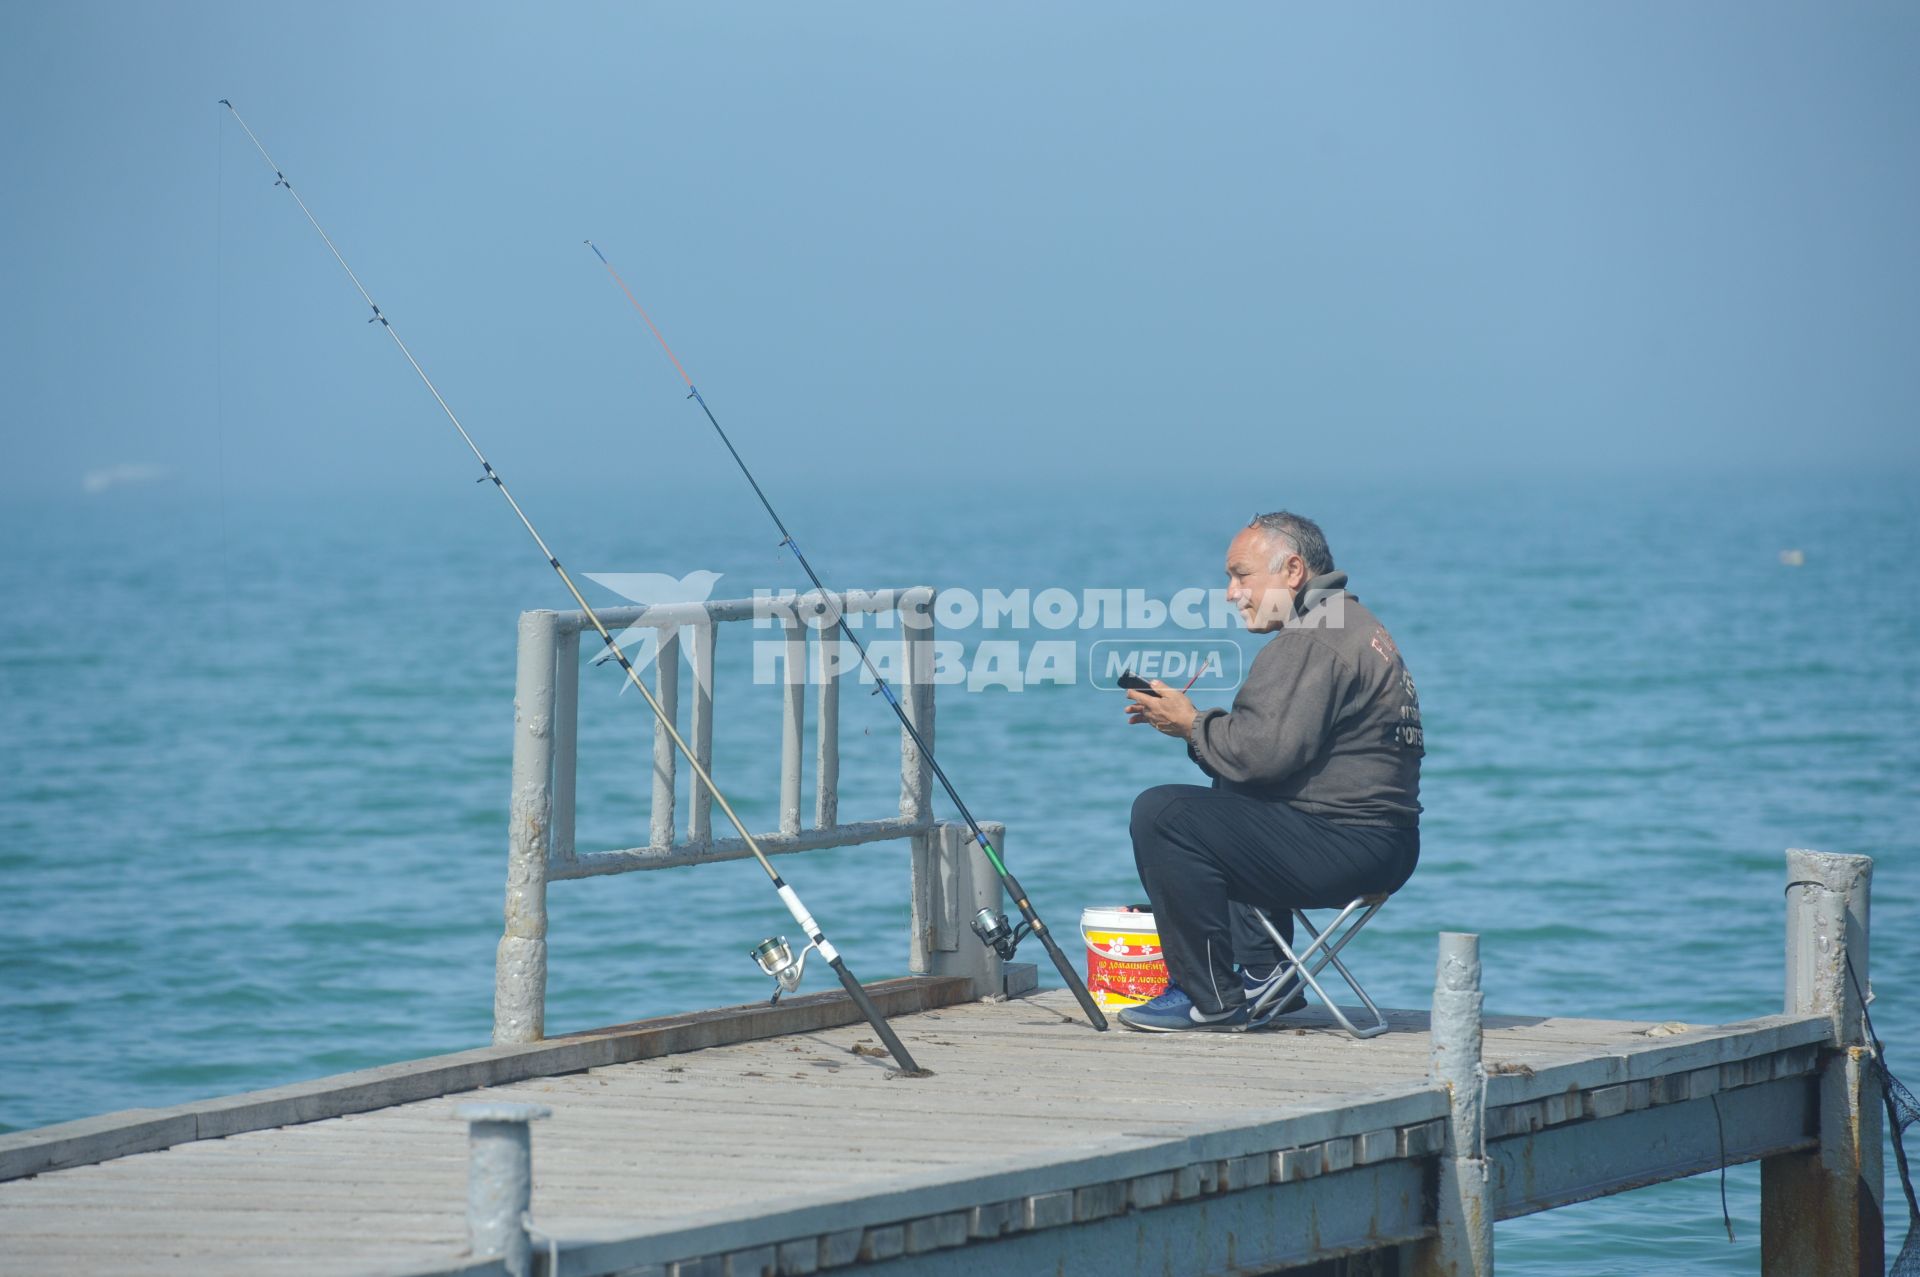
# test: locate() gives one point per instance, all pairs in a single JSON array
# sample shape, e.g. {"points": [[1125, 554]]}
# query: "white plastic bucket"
{"points": [[1124, 966]]}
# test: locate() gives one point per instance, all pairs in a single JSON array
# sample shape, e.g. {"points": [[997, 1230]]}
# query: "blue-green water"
{"points": [[253, 769]]}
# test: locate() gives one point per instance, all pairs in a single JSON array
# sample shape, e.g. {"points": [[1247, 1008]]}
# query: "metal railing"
{"points": [[546, 761]]}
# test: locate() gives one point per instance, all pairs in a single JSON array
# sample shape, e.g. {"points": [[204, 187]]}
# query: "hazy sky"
{"points": [[1028, 239]]}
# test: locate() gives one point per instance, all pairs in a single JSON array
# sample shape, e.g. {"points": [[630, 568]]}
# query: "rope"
{"points": [[1902, 1111], [1720, 1132]]}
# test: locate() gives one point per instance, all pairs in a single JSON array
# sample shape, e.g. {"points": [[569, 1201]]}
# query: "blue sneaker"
{"points": [[1281, 993], [1174, 1012]]}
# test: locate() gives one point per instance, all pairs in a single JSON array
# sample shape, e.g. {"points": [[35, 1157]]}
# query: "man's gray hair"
{"points": [[1295, 534]]}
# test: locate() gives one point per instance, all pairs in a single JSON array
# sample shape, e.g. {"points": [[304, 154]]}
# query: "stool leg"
{"points": [[1332, 955], [1324, 951]]}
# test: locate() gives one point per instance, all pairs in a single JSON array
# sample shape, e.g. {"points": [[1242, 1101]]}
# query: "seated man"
{"points": [[1316, 782]]}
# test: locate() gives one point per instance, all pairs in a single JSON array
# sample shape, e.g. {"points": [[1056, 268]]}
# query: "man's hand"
{"points": [[1170, 711]]}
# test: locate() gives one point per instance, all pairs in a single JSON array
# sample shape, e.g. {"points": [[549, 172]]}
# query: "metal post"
{"points": [[1463, 1245], [704, 636], [826, 766], [566, 737], [916, 647], [666, 690], [500, 1181], [793, 722], [1820, 1211], [520, 963]]}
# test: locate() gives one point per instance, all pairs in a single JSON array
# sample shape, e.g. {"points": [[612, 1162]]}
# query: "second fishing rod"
{"points": [[774, 955], [990, 927]]}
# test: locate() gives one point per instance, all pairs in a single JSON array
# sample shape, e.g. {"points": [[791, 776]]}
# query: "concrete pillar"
{"points": [[500, 1181], [952, 881], [1463, 1246], [520, 963], [1820, 1211]]}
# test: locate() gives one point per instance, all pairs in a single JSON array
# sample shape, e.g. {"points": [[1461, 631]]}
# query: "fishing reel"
{"points": [[775, 957], [994, 933]]}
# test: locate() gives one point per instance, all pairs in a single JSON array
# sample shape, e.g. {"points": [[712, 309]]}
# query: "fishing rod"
{"points": [[992, 928], [774, 955]]}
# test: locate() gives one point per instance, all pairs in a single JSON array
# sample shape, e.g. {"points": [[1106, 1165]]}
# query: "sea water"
{"points": [[254, 762]]}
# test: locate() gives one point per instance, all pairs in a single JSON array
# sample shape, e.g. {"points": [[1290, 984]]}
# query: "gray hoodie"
{"points": [[1327, 720]]}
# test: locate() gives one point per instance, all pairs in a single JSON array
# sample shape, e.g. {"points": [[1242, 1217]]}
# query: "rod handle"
{"points": [[894, 1045], [1095, 1016], [1074, 982]]}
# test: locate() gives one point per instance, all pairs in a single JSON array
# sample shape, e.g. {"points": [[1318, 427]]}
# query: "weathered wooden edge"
{"points": [[1555, 1166], [1602, 1099], [111, 1135], [1344, 1160], [1110, 1178], [1705, 1047], [1196, 1168], [1356, 1209], [1204, 1163], [1017, 979]]}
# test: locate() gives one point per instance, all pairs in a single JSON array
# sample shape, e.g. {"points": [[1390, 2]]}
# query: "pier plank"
{"points": [[1031, 1123], [120, 1134]]}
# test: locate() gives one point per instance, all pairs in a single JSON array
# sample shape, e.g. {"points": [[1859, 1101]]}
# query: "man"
{"points": [[1316, 782]]}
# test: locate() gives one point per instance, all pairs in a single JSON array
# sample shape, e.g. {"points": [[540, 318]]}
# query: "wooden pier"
{"points": [[772, 1140], [780, 1141]]}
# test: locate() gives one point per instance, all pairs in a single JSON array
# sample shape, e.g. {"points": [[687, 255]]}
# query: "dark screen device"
{"points": [[1131, 682]]}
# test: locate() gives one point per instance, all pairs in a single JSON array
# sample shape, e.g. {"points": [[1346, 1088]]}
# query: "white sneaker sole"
{"points": [[1191, 1027]]}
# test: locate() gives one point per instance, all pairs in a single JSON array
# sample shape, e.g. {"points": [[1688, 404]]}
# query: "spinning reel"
{"points": [[994, 933], [775, 957]]}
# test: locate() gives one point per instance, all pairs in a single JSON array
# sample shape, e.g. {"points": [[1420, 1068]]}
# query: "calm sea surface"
{"points": [[253, 765]]}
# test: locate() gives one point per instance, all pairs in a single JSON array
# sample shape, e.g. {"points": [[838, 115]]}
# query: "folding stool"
{"points": [[1324, 951]]}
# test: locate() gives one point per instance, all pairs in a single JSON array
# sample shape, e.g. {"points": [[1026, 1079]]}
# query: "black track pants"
{"points": [[1205, 856]]}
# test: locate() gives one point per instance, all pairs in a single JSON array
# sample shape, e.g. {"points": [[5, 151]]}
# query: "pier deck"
{"points": [[1038, 1145]]}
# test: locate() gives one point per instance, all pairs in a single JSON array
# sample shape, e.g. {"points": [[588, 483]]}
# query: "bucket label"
{"points": [[1124, 984], [1124, 967]]}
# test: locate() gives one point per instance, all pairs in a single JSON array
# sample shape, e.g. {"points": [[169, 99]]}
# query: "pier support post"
{"points": [[1820, 1211], [1463, 1245], [952, 881], [520, 963], [500, 1181]]}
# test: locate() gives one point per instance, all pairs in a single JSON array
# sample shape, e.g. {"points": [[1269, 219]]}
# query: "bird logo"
{"points": [[650, 589]]}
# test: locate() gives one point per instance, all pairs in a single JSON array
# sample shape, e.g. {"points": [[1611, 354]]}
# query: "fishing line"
{"points": [[991, 928], [220, 383], [816, 937]]}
